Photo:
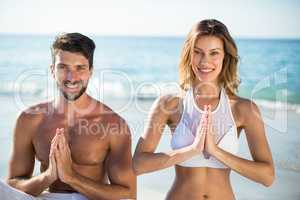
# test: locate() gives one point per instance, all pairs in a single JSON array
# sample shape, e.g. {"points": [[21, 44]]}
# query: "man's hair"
{"points": [[75, 43]]}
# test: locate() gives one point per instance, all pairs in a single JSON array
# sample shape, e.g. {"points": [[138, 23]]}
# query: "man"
{"points": [[84, 148]]}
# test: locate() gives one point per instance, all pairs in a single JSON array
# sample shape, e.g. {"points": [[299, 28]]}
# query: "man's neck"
{"points": [[72, 109]]}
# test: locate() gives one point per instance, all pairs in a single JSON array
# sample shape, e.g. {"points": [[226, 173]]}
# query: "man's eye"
{"points": [[60, 67], [80, 68], [196, 52]]}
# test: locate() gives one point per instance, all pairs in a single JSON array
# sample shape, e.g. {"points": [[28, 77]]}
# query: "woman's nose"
{"points": [[204, 60]]}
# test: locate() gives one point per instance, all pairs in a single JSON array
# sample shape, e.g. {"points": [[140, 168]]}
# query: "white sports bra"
{"points": [[224, 128]]}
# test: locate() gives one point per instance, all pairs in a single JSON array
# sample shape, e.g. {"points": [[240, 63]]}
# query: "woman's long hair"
{"points": [[228, 77]]}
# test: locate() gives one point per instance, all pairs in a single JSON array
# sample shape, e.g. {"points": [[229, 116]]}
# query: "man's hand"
{"points": [[63, 158], [51, 172]]}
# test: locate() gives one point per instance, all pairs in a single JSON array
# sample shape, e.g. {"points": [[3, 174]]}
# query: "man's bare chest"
{"points": [[88, 143]]}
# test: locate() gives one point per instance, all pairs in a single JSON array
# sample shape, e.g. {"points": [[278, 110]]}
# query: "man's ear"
{"points": [[52, 70]]}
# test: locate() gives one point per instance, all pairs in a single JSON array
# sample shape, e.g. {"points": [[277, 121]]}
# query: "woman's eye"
{"points": [[214, 53], [198, 53]]}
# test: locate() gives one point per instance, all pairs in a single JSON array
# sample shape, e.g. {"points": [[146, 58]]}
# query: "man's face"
{"points": [[71, 73]]}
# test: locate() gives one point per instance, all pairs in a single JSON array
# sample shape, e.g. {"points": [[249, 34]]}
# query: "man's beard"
{"points": [[73, 96]]}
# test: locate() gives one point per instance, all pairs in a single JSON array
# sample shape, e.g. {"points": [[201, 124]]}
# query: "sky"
{"points": [[244, 18]]}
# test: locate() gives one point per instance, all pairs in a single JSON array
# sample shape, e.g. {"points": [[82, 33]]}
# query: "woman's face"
{"points": [[207, 59]]}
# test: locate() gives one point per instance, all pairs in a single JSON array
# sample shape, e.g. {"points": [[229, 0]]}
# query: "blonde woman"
{"points": [[206, 121]]}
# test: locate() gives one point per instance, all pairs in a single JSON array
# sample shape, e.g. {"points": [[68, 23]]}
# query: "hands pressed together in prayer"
{"points": [[60, 161], [204, 141]]}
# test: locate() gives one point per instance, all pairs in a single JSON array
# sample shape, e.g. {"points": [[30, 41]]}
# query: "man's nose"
{"points": [[72, 75]]}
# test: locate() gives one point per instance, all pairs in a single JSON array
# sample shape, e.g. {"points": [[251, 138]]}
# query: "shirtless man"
{"points": [[84, 148]]}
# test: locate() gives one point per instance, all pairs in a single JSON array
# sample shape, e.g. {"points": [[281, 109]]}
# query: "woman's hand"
{"points": [[210, 145], [198, 144]]}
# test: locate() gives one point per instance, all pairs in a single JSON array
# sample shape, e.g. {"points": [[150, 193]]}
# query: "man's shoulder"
{"points": [[116, 123], [36, 111], [30, 117], [109, 114]]}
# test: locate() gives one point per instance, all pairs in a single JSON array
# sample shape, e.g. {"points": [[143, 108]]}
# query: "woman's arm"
{"points": [[261, 169], [145, 159]]}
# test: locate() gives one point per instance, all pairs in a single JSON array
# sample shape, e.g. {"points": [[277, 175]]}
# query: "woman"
{"points": [[206, 121]]}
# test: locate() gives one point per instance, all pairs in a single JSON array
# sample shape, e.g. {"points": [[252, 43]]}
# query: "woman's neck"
{"points": [[206, 90], [206, 94]]}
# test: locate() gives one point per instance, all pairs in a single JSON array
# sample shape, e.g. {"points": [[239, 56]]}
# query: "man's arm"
{"points": [[120, 166], [120, 172], [23, 157]]}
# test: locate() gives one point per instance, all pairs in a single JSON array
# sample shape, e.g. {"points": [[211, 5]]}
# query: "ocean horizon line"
{"points": [[25, 34]]}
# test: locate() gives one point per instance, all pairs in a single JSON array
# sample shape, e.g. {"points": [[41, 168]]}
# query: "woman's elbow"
{"points": [[269, 182], [136, 164], [270, 177], [137, 170]]}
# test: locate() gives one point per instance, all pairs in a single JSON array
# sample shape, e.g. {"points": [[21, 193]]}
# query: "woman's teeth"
{"points": [[206, 70]]}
